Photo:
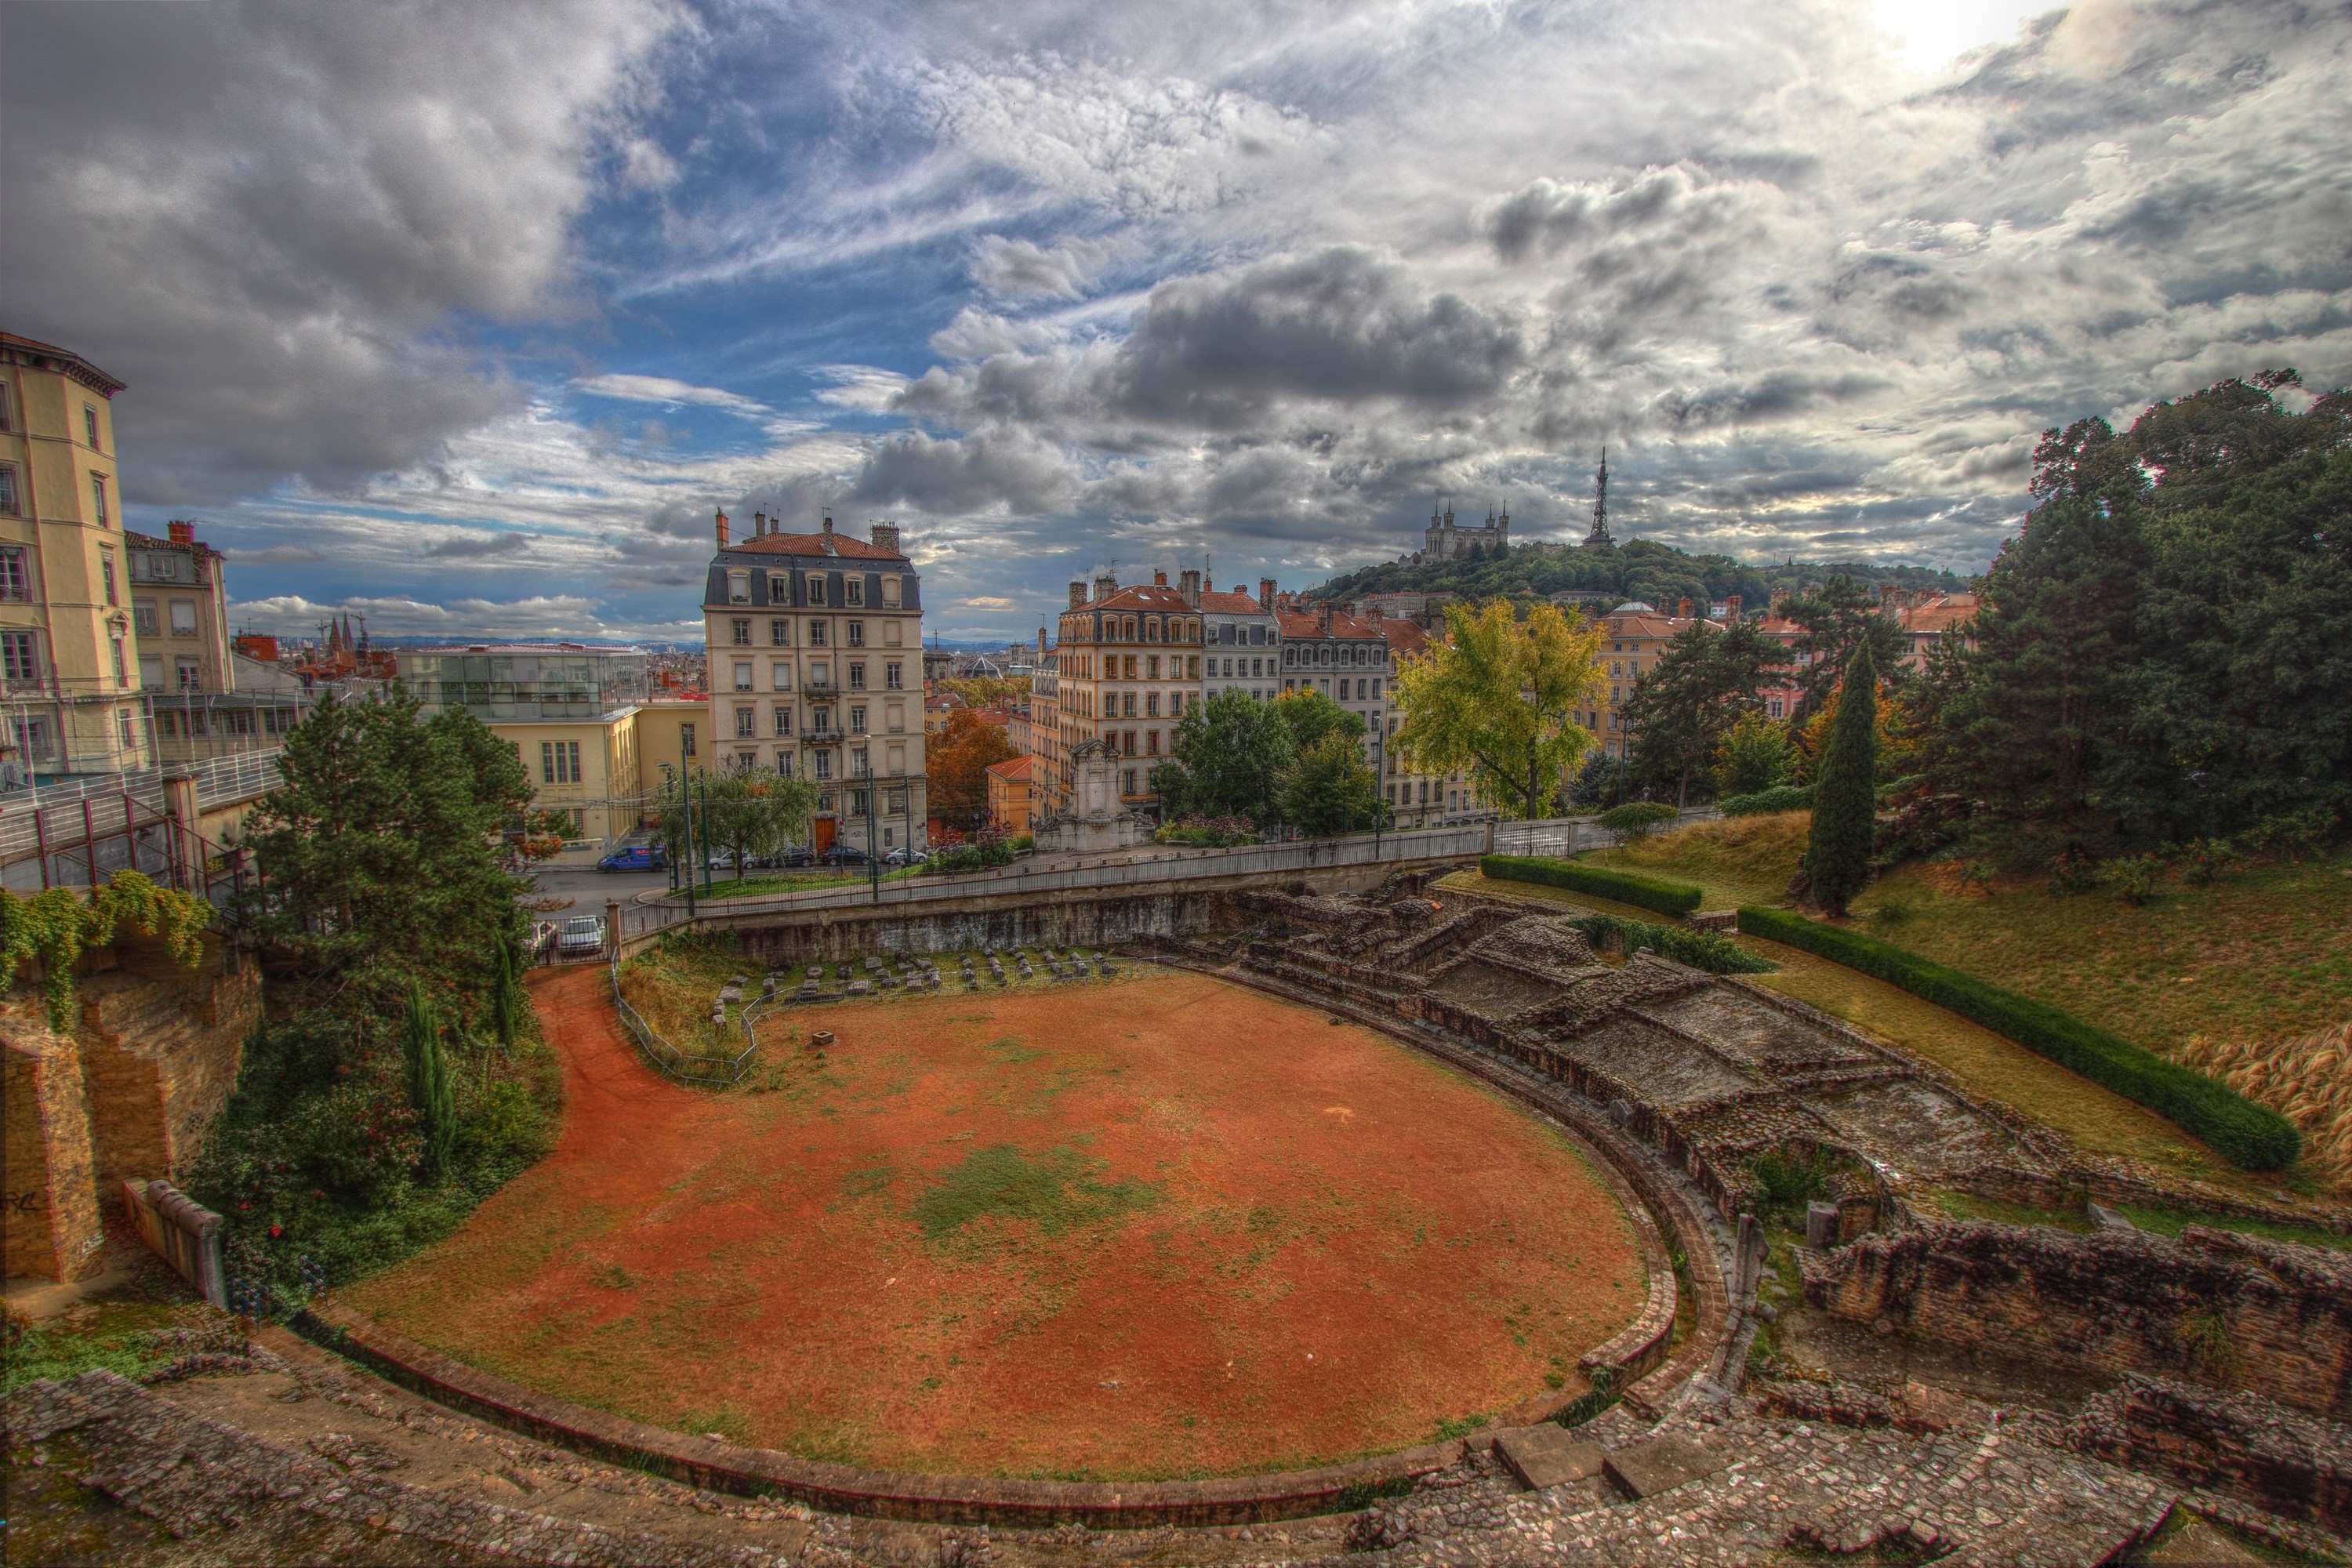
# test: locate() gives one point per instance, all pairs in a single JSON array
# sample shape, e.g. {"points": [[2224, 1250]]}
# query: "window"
{"points": [[1289, 657], [824, 765], [746, 723], [7, 421], [1151, 667], [779, 634], [820, 720], [742, 675], [90, 425], [1192, 667], [783, 763], [821, 673], [857, 771], [815, 583], [739, 587], [899, 766], [740, 632], [1151, 705], [890, 590], [780, 675], [1130, 775], [1129, 737], [7, 490], [184, 617], [686, 740], [142, 617], [1130, 669], [106, 570], [854, 590], [559, 761], [1130, 704], [123, 731], [191, 675], [122, 674], [746, 761], [784, 720], [894, 716], [858, 675], [151, 674], [893, 676], [856, 632], [816, 634]]}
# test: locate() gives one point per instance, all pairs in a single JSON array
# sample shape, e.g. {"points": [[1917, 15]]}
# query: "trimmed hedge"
{"points": [[2250, 1136], [1649, 892], [1707, 949], [1780, 797]]}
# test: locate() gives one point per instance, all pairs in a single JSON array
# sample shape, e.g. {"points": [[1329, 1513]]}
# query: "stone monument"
{"points": [[1095, 819]]}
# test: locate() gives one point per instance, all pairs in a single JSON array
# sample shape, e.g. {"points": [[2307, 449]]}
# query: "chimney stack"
{"points": [[1160, 579], [1731, 605], [723, 530], [886, 537], [1105, 586], [1779, 598], [1078, 594], [759, 524], [1265, 594], [1323, 617], [1041, 645], [1682, 609], [1188, 584], [1376, 616], [182, 532], [828, 525]]}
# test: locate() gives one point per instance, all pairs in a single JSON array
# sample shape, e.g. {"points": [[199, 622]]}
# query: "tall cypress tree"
{"points": [[1837, 859], [429, 1081]]}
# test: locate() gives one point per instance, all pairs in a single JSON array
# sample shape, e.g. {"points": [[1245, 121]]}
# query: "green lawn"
{"points": [[748, 887]]}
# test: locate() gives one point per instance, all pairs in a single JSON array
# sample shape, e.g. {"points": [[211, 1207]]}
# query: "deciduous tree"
{"points": [[1228, 753], [957, 766], [1499, 698], [1329, 788]]}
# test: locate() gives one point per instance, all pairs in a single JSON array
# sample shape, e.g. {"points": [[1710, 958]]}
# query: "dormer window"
{"points": [[854, 589], [815, 583], [739, 587]]}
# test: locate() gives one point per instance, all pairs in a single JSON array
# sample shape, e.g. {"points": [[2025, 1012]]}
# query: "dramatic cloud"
{"points": [[414, 297]]}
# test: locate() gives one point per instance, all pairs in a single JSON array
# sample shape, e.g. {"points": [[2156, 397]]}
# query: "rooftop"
{"points": [[49, 356]]}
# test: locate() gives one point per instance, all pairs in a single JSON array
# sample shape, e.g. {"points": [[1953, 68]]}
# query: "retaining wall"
{"points": [[2211, 1306]]}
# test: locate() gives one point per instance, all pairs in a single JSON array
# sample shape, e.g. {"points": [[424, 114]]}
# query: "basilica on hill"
{"points": [[1447, 541]]}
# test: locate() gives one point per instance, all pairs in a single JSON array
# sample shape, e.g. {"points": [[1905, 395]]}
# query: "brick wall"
{"points": [[2286, 1461], [2210, 1306], [161, 1048], [51, 1219]]}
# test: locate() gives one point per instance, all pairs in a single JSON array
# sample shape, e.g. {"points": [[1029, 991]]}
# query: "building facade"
{"points": [[68, 650], [1241, 643], [1011, 805], [1129, 665], [817, 667], [1445, 541]]}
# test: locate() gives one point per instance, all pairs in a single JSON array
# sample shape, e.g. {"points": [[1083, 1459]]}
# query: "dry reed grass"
{"points": [[2307, 1078]]}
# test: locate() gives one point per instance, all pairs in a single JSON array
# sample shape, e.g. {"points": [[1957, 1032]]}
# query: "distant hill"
{"points": [[1640, 569]]}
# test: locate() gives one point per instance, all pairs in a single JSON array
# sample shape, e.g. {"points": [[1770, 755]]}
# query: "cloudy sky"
{"points": [[469, 316]]}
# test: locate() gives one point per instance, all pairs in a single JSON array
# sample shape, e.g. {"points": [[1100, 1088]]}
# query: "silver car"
{"points": [[582, 937]]}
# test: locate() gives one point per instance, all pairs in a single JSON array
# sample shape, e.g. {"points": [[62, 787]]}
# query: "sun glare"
{"points": [[1928, 35]]}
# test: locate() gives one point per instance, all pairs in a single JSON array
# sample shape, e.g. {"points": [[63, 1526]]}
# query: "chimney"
{"points": [[1323, 617], [1078, 594], [1682, 609], [1376, 616], [828, 525], [886, 537], [1779, 598], [1265, 594], [182, 532], [1105, 586], [723, 530], [1160, 579], [1188, 584], [1731, 605], [759, 523], [1041, 644]]}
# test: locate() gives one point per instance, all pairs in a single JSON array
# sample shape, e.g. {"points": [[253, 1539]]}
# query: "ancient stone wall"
{"points": [[52, 1225], [2210, 1306], [160, 1046], [2286, 1461]]}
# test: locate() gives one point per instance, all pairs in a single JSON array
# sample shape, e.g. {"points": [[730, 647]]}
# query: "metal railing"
{"points": [[1060, 875], [70, 820], [684, 1066], [1560, 836]]}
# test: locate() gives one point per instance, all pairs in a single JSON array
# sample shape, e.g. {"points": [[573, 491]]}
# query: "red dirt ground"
{"points": [[1323, 1246]]}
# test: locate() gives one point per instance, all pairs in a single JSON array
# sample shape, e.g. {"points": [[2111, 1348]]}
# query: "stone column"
{"points": [[611, 928], [187, 850]]}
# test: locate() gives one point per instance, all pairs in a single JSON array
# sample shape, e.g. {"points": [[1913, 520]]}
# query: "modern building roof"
{"points": [[1311, 624]]}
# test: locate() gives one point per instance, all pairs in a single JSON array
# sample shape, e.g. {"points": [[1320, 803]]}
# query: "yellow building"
{"points": [[69, 651], [1127, 663], [813, 639]]}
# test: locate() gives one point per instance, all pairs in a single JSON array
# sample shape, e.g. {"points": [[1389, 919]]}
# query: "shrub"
{"points": [[1625, 887], [1786, 1182], [970, 857], [2248, 1135], [1710, 950], [1787, 798], [1208, 832], [2131, 878], [1636, 817]]}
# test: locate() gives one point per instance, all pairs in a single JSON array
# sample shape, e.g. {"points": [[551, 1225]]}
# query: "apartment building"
{"points": [[1127, 666], [1012, 802], [68, 650], [1635, 638], [1044, 746], [1241, 642], [816, 667]]}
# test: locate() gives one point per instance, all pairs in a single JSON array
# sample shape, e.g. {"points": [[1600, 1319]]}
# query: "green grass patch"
{"points": [[2168, 1222], [113, 1336], [1629, 888], [2250, 1136], [1969, 1205], [788, 882], [1056, 1191], [1710, 950], [1766, 802]]}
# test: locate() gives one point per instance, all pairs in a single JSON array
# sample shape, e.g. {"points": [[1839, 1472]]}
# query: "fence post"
{"points": [[181, 823], [90, 841], [613, 927]]}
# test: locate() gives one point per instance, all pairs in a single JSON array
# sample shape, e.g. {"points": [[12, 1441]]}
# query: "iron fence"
{"points": [[681, 1065]]}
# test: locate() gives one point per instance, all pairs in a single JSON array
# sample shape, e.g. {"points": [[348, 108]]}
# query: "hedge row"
{"points": [[1649, 892], [1782, 797], [1707, 949], [2252, 1136]]}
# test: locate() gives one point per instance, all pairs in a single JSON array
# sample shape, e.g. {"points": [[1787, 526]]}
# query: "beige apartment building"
{"points": [[817, 666], [1128, 665], [69, 651]]}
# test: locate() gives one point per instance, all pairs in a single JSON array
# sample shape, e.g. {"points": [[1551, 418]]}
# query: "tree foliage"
{"points": [[746, 813], [1329, 788], [957, 763], [1838, 617], [1753, 756], [1701, 685], [1228, 754], [1845, 807], [1499, 698], [381, 853], [53, 927]]}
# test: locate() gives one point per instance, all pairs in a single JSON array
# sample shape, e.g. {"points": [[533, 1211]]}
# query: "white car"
{"points": [[582, 937]]}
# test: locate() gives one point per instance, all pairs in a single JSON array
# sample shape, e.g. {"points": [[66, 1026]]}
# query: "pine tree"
{"points": [[507, 1000], [1845, 805], [429, 1081]]}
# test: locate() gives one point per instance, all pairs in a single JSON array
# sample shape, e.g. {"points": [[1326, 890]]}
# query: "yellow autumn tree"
{"points": [[1498, 697]]}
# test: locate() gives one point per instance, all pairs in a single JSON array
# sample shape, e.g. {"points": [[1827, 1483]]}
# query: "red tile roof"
{"points": [[839, 545], [1310, 626], [1233, 603], [1144, 596], [1013, 770]]}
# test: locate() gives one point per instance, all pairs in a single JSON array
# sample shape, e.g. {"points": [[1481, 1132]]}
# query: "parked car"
{"points": [[904, 858], [636, 857], [583, 937]]}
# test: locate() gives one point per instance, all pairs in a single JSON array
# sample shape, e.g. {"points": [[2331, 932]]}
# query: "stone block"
{"points": [[2106, 1218], [1820, 1225], [860, 988], [1547, 1454], [1660, 1465]]}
